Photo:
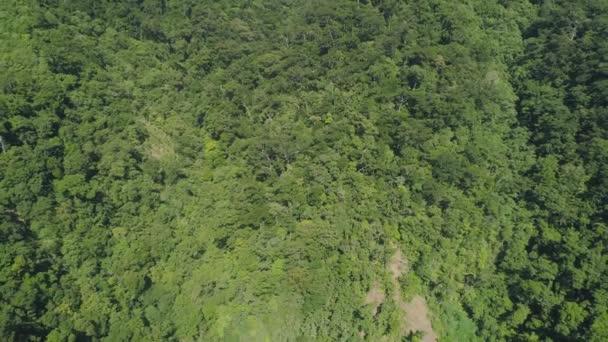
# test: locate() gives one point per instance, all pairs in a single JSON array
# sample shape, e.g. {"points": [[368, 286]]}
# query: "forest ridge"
{"points": [[287, 170]]}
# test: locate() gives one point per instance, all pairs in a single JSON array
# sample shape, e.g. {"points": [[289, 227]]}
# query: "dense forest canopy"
{"points": [[284, 170]]}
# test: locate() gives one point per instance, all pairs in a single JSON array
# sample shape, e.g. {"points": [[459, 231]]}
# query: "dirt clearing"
{"points": [[417, 318], [415, 312], [375, 297]]}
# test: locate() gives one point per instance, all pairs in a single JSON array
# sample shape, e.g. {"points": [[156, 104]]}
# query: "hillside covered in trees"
{"points": [[284, 170]]}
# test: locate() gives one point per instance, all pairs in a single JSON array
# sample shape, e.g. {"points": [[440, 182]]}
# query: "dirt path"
{"points": [[415, 312], [417, 318], [375, 296]]}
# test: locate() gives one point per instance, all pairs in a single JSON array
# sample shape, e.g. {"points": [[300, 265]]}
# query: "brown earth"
{"points": [[417, 318], [375, 296], [398, 264], [415, 311]]}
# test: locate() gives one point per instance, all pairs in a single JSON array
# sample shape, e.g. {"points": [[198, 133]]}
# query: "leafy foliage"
{"points": [[244, 170]]}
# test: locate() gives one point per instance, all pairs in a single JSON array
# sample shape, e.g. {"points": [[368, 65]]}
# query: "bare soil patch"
{"points": [[398, 264], [375, 296], [417, 318], [416, 311]]}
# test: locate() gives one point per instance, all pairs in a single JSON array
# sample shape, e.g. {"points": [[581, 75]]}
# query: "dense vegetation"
{"points": [[243, 170]]}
